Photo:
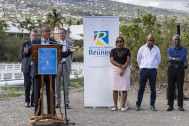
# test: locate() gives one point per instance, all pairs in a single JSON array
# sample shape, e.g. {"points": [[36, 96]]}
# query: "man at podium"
{"points": [[45, 39]]}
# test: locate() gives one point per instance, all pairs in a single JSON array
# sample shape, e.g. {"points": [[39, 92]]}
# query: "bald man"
{"points": [[148, 59]]}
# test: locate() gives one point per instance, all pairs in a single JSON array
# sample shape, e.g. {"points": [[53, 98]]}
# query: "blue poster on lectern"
{"points": [[47, 61]]}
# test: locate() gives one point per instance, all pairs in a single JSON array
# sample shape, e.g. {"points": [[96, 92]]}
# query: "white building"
{"points": [[76, 32], [13, 29]]}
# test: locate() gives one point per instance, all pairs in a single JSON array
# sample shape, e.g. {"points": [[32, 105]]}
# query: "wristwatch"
{"points": [[174, 59]]}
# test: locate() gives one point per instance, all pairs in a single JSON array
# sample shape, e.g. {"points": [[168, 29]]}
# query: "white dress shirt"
{"points": [[147, 58], [64, 48], [43, 41]]}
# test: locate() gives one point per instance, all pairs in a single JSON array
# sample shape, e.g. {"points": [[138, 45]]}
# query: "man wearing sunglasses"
{"points": [[64, 68], [26, 68], [176, 57]]}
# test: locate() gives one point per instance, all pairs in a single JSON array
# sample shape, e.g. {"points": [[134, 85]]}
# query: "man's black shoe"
{"points": [[27, 105], [181, 108], [153, 108], [68, 106], [170, 108], [138, 108]]}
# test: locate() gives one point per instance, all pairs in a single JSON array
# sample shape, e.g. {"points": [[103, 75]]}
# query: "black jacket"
{"points": [[26, 60]]}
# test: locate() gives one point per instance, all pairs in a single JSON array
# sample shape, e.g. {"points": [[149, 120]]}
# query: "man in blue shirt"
{"points": [[176, 57]]}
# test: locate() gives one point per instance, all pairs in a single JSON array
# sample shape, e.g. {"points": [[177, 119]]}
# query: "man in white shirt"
{"points": [[148, 59], [66, 66]]}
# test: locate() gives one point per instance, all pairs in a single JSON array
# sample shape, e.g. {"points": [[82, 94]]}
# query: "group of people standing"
{"points": [[148, 59], [30, 69]]}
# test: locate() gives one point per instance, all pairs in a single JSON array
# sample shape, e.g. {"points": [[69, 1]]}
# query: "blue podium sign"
{"points": [[47, 61]]}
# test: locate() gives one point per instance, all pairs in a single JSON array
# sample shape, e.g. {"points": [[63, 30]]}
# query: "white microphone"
{"points": [[55, 42]]}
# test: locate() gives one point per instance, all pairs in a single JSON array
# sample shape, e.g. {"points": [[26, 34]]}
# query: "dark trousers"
{"points": [[175, 77], [27, 86], [146, 74], [37, 85]]}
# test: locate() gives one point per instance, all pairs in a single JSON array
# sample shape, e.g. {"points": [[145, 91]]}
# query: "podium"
{"points": [[47, 57]]}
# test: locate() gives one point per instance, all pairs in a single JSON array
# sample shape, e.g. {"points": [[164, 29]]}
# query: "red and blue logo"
{"points": [[101, 37]]}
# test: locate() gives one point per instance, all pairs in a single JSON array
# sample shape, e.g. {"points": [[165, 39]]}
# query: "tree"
{"points": [[39, 23], [10, 49], [54, 19], [2, 33], [26, 24], [9, 46], [69, 21], [136, 34], [5, 25], [31, 26]]}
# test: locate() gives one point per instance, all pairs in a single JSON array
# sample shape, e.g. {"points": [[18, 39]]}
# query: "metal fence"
{"points": [[12, 71], [12, 80]]}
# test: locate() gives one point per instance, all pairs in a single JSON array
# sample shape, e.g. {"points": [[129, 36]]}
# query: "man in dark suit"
{"points": [[26, 67], [45, 39]]}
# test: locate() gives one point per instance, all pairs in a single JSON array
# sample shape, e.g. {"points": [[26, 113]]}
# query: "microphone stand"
{"points": [[65, 108]]}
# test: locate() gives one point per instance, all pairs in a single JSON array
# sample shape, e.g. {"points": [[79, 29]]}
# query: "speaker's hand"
{"points": [[26, 49]]}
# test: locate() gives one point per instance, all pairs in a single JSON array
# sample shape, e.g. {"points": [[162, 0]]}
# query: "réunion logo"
{"points": [[101, 37]]}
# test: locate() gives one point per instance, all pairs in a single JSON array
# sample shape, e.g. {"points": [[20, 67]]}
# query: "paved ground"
{"points": [[13, 113]]}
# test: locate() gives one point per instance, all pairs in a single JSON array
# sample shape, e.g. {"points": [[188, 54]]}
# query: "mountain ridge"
{"points": [[80, 8]]}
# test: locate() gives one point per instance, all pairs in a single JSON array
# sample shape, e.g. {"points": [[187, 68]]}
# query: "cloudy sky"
{"points": [[166, 4]]}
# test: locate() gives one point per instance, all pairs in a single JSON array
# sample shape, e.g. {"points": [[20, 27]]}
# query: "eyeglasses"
{"points": [[119, 41], [177, 39], [34, 35]]}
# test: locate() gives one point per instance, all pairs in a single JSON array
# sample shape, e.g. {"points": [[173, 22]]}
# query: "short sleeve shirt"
{"points": [[120, 55]]}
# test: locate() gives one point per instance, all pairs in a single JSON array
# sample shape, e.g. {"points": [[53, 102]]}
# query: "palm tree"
{"points": [[5, 25], [54, 19], [69, 22], [21, 25], [31, 26], [39, 23], [27, 24]]}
